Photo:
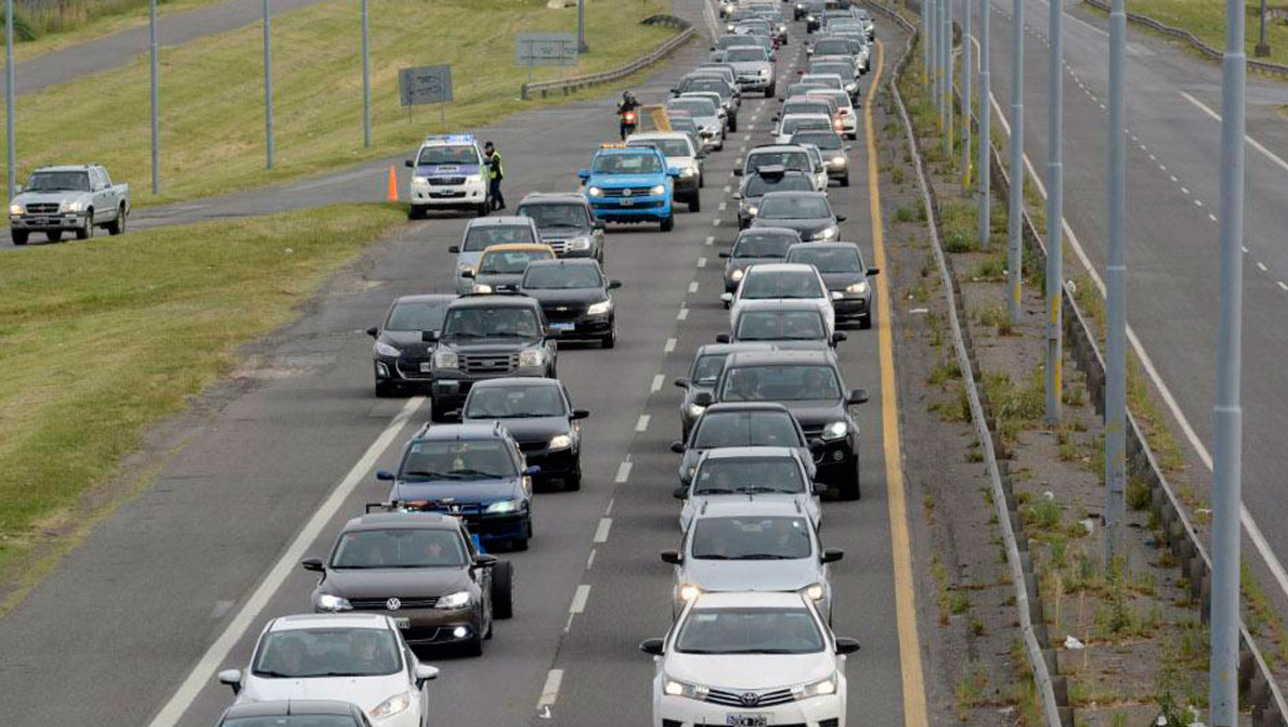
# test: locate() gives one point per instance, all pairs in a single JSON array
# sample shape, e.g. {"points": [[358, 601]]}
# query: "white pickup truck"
{"points": [[73, 199]]}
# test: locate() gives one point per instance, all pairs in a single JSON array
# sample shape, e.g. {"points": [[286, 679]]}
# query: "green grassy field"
{"points": [[1206, 19], [101, 339], [212, 91], [76, 21]]}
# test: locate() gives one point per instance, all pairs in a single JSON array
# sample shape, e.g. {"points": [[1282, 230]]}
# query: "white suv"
{"points": [[750, 660], [448, 173]]}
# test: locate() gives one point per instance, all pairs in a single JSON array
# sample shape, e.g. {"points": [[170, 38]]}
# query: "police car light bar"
{"points": [[451, 138]]}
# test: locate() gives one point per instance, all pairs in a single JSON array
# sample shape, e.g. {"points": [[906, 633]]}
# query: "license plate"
{"points": [[628, 203], [563, 326], [426, 367], [747, 720], [42, 221]]}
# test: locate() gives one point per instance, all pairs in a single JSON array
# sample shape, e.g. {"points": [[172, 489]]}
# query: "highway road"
{"points": [[1173, 192], [177, 583]]}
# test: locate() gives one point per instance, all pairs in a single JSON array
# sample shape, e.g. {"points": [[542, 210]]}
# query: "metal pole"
{"points": [[8, 95], [1015, 210], [985, 213], [1227, 413], [966, 95], [1116, 289], [944, 90], [1263, 48], [268, 87], [581, 27], [156, 133], [366, 79], [949, 129], [1054, 215], [927, 13]]}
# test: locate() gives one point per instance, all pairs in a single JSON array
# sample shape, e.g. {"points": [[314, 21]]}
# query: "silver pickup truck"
{"points": [[73, 199]]}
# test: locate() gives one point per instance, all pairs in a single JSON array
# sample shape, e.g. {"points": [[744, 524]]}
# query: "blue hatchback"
{"points": [[630, 184], [472, 471]]}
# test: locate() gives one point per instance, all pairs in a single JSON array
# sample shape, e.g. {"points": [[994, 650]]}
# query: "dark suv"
{"points": [[488, 337], [422, 567], [566, 223], [810, 385]]}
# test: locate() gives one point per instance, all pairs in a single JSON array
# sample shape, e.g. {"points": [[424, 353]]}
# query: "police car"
{"points": [[449, 174], [630, 184]]}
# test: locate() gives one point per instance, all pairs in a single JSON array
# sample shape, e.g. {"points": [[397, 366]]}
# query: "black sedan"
{"points": [[744, 424], [540, 417], [294, 713], [763, 181], [706, 368], [401, 357], [843, 271], [806, 212], [751, 247], [573, 294]]}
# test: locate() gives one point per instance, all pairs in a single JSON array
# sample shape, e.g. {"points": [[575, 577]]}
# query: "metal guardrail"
{"points": [[576, 83]]}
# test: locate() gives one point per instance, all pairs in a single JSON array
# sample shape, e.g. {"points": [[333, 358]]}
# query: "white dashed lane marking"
{"points": [[550, 692], [623, 473], [693, 286], [642, 423], [670, 345], [682, 315], [601, 532], [1261, 267], [656, 386], [702, 262]]}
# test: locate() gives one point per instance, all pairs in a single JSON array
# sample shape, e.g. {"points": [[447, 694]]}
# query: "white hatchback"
{"points": [[783, 281]]}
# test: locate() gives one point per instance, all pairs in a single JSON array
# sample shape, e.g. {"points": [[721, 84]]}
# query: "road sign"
{"points": [[545, 49], [424, 85]]}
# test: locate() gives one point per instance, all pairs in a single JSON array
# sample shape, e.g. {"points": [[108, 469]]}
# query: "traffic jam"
{"points": [[766, 442]]}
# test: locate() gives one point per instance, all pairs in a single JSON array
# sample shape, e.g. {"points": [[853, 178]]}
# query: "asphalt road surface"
{"points": [[177, 583]]}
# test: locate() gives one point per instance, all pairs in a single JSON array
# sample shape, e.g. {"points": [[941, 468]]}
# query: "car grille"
{"points": [[532, 446], [410, 368], [569, 312], [613, 207], [489, 363], [628, 192], [446, 181], [559, 246], [382, 604], [43, 208], [734, 699]]}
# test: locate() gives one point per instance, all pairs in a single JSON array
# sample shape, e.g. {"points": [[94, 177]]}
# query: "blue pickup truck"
{"points": [[630, 184]]}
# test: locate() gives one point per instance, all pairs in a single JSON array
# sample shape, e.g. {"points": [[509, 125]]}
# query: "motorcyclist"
{"points": [[628, 112]]}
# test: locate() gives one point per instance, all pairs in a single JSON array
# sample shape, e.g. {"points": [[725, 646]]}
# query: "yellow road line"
{"points": [[905, 596]]}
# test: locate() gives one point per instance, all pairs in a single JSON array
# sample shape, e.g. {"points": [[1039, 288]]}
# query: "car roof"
{"points": [[750, 599], [287, 707], [766, 268], [752, 452], [797, 194], [651, 135], [763, 148], [614, 150], [329, 620], [462, 431], [426, 298], [518, 220], [750, 231], [552, 198], [402, 521], [784, 304], [780, 357], [737, 506], [515, 381], [728, 348], [823, 245], [518, 246], [585, 262], [67, 168], [722, 407], [494, 301]]}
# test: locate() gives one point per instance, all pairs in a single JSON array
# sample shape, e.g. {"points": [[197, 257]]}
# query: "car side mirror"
{"points": [[373, 331], [385, 476], [409, 164], [580, 414], [532, 471], [672, 557], [583, 174], [831, 555], [454, 249], [673, 171], [232, 678], [722, 338], [838, 337], [17, 189], [680, 493], [842, 218], [677, 447], [598, 225], [874, 271], [486, 560], [467, 274], [846, 645], [837, 295], [724, 255], [682, 382], [726, 297], [820, 489], [614, 284], [848, 147], [654, 646], [313, 564], [737, 171], [675, 91], [858, 396], [737, 195], [702, 398], [429, 336], [815, 445], [427, 673]]}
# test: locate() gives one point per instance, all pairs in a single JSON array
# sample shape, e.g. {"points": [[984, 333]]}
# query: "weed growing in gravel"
{"points": [[957, 225], [959, 602], [905, 214], [970, 693], [991, 270], [997, 316], [943, 372], [1138, 492]]}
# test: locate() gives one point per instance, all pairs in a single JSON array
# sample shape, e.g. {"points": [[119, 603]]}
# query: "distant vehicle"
{"points": [[566, 222], [75, 199], [681, 154], [755, 69], [480, 234], [703, 373], [501, 266], [809, 213], [631, 185], [742, 424], [448, 173], [752, 247], [832, 150], [787, 324], [709, 116], [540, 417], [782, 281], [401, 357]]}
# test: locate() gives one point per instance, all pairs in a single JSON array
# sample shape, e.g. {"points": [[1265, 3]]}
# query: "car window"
{"points": [[562, 277], [515, 402], [462, 460], [795, 207], [832, 47], [820, 139], [793, 159], [803, 325], [326, 652], [760, 246], [760, 184], [295, 720], [707, 368], [746, 429], [711, 85], [749, 631], [480, 237], [459, 154], [510, 262], [727, 476], [498, 322], [694, 106], [627, 164], [792, 124], [746, 55], [829, 259], [556, 215], [780, 284], [797, 382], [668, 147], [751, 538], [806, 107], [399, 548], [58, 182], [417, 316]]}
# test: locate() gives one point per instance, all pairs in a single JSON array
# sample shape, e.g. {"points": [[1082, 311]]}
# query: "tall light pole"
{"points": [[156, 127], [1116, 289], [8, 95], [581, 27], [1015, 211], [927, 38], [1055, 214], [1263, 48], [366, 79], [945, 81], [268, 87], [1227, 413], [966, 95], [985, 213], [948, 74]]}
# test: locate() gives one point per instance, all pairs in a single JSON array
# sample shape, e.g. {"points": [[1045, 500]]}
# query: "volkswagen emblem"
{"points": [[626, 192], [561, 308], [749, 699], [394, 604]]}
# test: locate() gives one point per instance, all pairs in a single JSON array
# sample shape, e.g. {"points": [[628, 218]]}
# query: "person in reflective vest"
{"points": [[495, 173]]}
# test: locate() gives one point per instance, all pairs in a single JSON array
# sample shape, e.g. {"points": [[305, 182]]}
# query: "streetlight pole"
{"points": [[1015, 211], [268, 87], [945, 82], [8, 95], [1055, 214], [1116, 289], [156, 131], [1227, 413], [366, 79], [1263, 48], [966, 95], [948, 74], [985, 212], [581, 27], [927, 39]]}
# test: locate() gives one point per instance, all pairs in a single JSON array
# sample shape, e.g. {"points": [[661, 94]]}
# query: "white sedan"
{"points": [[783, 281]]}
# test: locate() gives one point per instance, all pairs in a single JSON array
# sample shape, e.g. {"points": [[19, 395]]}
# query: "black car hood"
{"points": [[457, 491], [409, 342], [536, 429], [813, 413], [841, 281], [401, 582], [489, 345], [806, 227], [551, 297], [742, 263]]}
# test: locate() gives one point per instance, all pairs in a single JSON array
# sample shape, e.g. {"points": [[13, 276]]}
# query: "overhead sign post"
{"points": [[425, 85], [545, 49]]}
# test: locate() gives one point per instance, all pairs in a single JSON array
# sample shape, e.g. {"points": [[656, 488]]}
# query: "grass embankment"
{"points": [[1206, 19], [42, 26], [212, 94], [101, 339]]}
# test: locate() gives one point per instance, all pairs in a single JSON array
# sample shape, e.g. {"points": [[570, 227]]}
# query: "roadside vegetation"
{"points": [[212, 92], [43, 26], [1206, 19], [102, 339]]}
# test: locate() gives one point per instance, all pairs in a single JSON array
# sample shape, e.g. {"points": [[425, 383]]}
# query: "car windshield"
{"points": [[557, 215], [792, 124], [460, 155], [510, 262], [751, 538], [707, 369], [481, 237], [294, 720], [515, 402], [749, 631], [737, 41], [694, 106], [709, 85], [58, 181], [795, 207], [821, 139], [836, 47], [839, 99], [746, 429], [499, 322], [795, 159], [840, 69], [798, 283], [457, 459], [326, 652], [668, 147], [796, 325], [796, 382], [729, 476], [829, 82], [399, 548], [417, 316], [829, 259], [562, 277], [760, 246], [636, 163], [806, 107], [760, 184], [746, 55]]}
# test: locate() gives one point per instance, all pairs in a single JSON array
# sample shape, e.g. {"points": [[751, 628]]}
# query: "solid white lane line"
{"points": [[1251, 141], [579, 599], [656, 386], [550, 692], [693, 286], [601, 532], [641, 424], [682, 315], [202, 674], [702, 262], [670, 345], [623, 473]]}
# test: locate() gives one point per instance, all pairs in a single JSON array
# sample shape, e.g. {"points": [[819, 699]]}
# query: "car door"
{"points": [[102, 194]]}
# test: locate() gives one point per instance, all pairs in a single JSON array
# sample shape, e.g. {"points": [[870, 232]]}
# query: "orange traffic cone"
{"points": [[392, 194]]}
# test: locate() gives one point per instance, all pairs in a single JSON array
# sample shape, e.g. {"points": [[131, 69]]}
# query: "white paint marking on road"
{"points": [[1262, 267], [623, 472], [1162, 168], [1251, 141], [609, 510], [1153, 158], [579, 599], [710, 239], [1212, 217], [702, 262], [1198, 203], [1245, 249], [670, 345], [1102, 107], [693, 286], [1174, 179], [1185, 191], [683, 315], [590, 560], [550, 692], [215, 656], [715, 222], [221, 608], [656, 386], [641, 424], [1282, 285], [728, 188], [723, 206], [601, 532]]}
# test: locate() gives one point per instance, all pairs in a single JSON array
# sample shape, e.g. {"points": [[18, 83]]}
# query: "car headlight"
{"points": [[328, 602], [695, 410], [531, 357], [737, 275], [809, 18], [821, 688], [391, 706], [595, 192], [689, 592], [497, 508], [445, 360], [481, 288], [658, 189], [752, 210], [15, 209], [687, 172], [459, 599], [782, 28], [859, 287], [75, 206], [851, 87], [764, 72], [579, 243], [815, 592], [384, 349], [674, 688], [826, 233], [420, 180], [839, 161], [600, 308], [835, 430], [560, 441]]}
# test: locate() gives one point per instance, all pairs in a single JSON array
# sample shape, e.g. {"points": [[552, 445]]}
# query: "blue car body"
{"points": [[623, 196]]}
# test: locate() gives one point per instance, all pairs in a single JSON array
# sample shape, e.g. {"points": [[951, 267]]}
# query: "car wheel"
{"points": [[610, 340], [87, 231], [481, 210], [54, 235], [702, 181], [117, 226], [695, 203], [19, 236], [520, 545], [384, 389], [473, 647], [850, 490], [668, 224], [845, 181], [733, 124], [503, 589], [415, 212], [769, 92], [865, 322], [572, 483]]}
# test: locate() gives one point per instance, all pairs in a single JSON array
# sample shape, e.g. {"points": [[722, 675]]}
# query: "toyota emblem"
{"points": [[749, 699], [394, 604]]}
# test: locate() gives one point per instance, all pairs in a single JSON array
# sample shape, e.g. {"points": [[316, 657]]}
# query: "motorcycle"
{"points": [[629, 123]]}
